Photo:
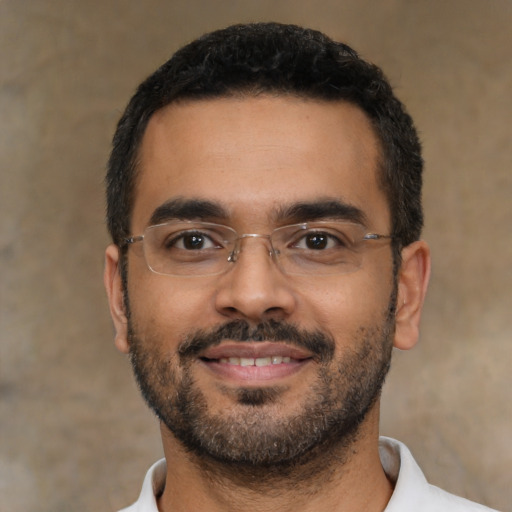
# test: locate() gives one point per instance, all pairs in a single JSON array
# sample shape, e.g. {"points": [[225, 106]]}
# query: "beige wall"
{"points": [[74, 434]]}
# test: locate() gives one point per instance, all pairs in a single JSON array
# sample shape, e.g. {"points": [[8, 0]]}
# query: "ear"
{"points": [[114, 287], [413, 280]]}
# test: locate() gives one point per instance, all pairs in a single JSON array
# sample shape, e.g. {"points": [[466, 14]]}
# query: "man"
{"points": [[264, 204]]}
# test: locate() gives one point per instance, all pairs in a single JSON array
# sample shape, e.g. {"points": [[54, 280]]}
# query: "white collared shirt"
{"points": [[412, 491]]}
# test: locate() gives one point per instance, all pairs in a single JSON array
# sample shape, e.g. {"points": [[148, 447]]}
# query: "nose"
{"points": [[254, 288]]}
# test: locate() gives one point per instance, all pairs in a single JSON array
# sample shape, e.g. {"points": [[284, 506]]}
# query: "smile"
{"points": [[254, 363], [251, 361]]}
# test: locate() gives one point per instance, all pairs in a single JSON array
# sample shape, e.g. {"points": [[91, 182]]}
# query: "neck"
{"points": [[348, 478]]}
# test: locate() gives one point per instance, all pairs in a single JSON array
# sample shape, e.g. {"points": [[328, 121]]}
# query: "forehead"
{"points": [[254, 155]]}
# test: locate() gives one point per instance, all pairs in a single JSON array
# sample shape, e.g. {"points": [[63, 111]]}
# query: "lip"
{"points": [[255, 350], [296, 360]]}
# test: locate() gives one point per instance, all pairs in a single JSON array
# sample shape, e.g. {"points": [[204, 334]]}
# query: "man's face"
{"points": [[255, 160]]}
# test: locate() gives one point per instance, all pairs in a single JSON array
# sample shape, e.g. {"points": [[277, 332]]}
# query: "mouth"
{"points": [[254, 363], [258, 361]]}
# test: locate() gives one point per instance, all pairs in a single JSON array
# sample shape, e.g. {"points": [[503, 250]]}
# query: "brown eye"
{"points": [[316, 241], [319, 241], [191, 241]]}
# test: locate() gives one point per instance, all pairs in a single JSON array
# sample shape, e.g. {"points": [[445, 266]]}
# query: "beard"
{"points": [[253, 437]]}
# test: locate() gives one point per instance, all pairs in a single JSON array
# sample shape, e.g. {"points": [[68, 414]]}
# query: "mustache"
{"points": [[318, 343]]}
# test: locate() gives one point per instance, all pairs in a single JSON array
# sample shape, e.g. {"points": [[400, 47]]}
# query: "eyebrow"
{"points": [[304, 211], [180, 208], [325, 209]]}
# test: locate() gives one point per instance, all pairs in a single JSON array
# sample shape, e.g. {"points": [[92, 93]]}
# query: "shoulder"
{"points": [[412, 491]]}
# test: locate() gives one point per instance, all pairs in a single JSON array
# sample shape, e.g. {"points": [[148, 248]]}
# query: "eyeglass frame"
{"points": [[234, 254]]}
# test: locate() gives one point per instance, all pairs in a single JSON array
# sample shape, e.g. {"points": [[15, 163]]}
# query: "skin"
{"points": [[252, 156]]}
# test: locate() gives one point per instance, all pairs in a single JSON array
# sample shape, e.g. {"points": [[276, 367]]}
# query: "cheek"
{"points": [[344, 306], [165, 310]]}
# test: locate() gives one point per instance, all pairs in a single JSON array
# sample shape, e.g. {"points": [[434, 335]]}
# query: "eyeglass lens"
{"points": [[185, 248]]}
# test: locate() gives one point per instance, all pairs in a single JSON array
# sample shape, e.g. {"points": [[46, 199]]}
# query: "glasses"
{"points": [[188, 248]]}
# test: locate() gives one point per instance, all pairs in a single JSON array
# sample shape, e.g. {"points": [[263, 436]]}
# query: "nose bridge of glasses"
{"points": [[237, 249]]}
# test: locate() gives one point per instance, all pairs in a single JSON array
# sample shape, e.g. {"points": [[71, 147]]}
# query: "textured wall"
{"points": [[74, 434]]}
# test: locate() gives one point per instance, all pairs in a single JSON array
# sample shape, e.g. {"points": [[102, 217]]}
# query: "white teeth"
{"points": [[262, 361], [258, 361]]}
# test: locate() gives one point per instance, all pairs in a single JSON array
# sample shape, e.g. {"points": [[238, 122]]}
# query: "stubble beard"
{"points": [[252, 442]]}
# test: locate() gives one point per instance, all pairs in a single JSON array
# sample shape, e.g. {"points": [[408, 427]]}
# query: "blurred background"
{"points": [[74, 434]]}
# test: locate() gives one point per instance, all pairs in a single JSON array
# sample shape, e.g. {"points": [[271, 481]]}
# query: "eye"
{"points": [[192, 241], [318, 241]]}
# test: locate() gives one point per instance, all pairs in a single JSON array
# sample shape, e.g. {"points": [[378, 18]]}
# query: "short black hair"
{"points": [[274, 58]]}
